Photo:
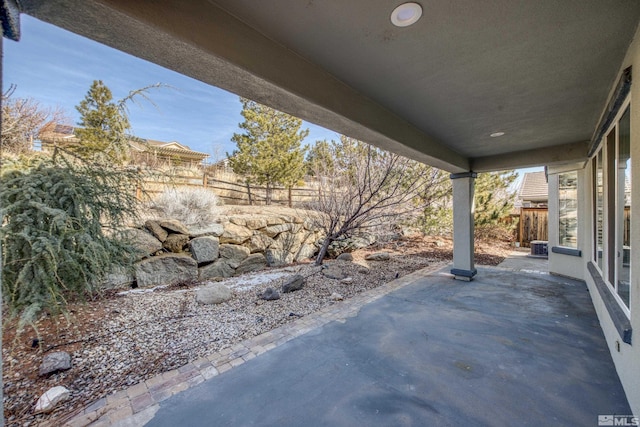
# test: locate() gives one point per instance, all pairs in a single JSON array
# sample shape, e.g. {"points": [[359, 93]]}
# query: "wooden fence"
{"points": [[231, 193], [534, 225]]}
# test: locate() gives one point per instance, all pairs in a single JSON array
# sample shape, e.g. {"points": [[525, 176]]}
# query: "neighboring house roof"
{"points": [[534, 187], [62, 133]]}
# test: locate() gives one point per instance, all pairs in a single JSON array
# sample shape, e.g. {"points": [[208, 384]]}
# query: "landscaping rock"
{"points": [[274, 230], [166, 269], [204, 249], [144, 243], [270, 294], [305, 251], [259, 242], [174, 226], [295, 283], [336, 297], [234, 254], [345, 256], [278, 257], [378, 256], [118, 277], [55, 362], [215, 230], [214, 293], [155, 229], [220, 268], [256, 223], [176, 242], [347, 280], [333, 272], [253, 262], [48, 401], [235, 234]]}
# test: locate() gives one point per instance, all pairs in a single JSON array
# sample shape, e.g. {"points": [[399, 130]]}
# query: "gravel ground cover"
{"points": [[128, 337]]}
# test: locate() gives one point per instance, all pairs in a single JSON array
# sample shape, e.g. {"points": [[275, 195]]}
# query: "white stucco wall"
{"points": [[627, 359]]}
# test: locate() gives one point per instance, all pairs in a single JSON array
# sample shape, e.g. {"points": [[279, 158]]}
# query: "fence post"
{"points": [[290, 198], [204, 180], [249, 194]]}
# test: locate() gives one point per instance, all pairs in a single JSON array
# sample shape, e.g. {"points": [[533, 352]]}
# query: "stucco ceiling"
{"points": [[540, 71]]}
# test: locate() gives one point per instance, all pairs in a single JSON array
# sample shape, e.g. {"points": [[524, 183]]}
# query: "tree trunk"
{"points": [[323, 251], [267, 197]]}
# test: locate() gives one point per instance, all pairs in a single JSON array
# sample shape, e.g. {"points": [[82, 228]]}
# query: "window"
{"points": [[568, 209], [611, 208], [598, 209], [623, 208]]}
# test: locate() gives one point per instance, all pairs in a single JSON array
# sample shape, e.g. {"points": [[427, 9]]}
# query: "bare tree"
{"points": [[366, 187], [23, 119]]}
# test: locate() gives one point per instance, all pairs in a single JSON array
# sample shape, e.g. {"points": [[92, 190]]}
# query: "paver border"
{"points": [[120, 406]]}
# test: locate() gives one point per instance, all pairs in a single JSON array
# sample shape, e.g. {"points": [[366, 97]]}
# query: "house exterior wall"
{"points": [[626, 356]]}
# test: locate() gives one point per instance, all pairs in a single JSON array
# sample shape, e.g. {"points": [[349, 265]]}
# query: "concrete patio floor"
{"points": [[509, 348]]}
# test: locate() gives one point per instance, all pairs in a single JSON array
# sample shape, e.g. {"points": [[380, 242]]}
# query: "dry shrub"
{"points": [[191, 206]]}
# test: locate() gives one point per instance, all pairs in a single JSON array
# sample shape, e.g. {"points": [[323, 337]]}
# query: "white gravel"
{"points": [[141, 333]]}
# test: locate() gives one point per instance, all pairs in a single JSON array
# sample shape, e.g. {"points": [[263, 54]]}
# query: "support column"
{"points": [[463, 207]]}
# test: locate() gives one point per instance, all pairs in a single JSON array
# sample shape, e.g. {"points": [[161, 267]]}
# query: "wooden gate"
{"points": [[534, 225]]}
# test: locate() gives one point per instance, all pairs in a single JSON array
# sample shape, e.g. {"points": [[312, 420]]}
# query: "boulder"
{"points": [[333, 272], [259, 242], [48, 401], [274, 220], [278, 257], [274, 230], [220, 268], [235, 234], [233, 254], [174, 226], [350, 244], [294, 283], [155, 229], [270, 294], [214, 293], [305, 251], [378, 256], [345, 256], [176, 242], [166, 269], [55, 362], [215, 230], [256, 223], [204, 249], [118, 277], [238, 221], [144, 243], [253, 262]]}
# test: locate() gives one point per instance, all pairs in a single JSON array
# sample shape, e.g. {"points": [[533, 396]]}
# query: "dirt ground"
{"points": [[116, 341]]}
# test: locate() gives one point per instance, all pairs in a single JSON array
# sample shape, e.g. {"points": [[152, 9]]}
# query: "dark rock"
{"points": [[144, 243], [54, 362], [333, 272], [294, 283], [220, 268], [233, 254], [270, 294], [346, 256], [253, 262], [176, 242], [167, 269], [204, 249], [155, 229]]}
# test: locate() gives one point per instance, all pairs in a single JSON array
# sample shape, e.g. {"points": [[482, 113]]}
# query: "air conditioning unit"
{"points": [[539, 248]]}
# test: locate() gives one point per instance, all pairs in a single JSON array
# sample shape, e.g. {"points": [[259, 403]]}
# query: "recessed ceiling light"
{"points": [[406, 14], [496, 134]]}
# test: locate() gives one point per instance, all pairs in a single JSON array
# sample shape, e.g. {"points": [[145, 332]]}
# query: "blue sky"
{"points": [[57, 67]]}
